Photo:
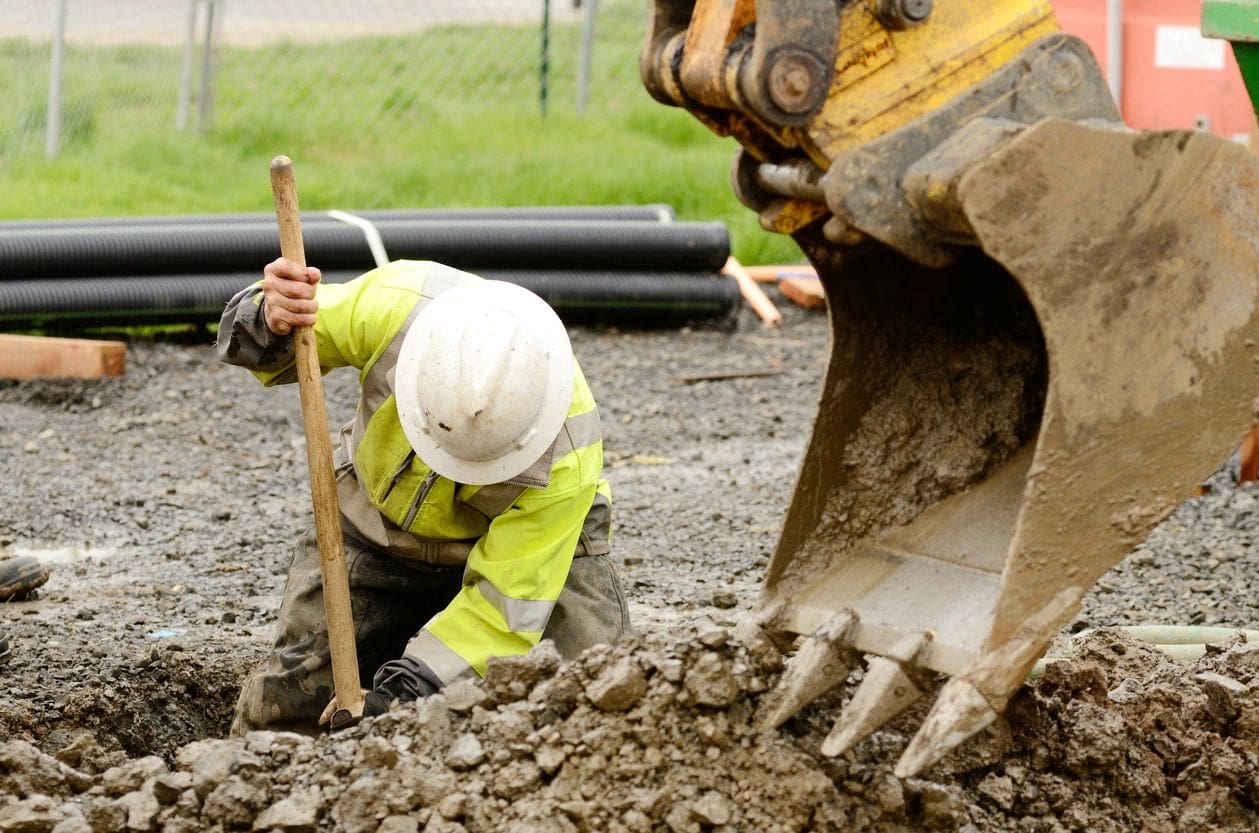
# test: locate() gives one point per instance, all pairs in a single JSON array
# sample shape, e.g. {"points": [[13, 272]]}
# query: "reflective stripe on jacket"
{"points": [[516, 539]]}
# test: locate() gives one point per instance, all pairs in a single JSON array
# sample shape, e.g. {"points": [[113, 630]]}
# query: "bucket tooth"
{"points": [[961, 712], [892, 684], [885, 692], [823, 662]]}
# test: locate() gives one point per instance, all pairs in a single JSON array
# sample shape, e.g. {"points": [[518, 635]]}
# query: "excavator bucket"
{"points": [[1044, 330]]}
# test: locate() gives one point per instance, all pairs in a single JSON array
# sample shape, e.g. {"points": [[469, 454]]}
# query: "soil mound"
{"points": [[659, 734]]}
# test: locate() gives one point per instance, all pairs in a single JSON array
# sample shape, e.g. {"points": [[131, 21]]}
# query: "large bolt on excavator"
{"points": [[1044, 331]]}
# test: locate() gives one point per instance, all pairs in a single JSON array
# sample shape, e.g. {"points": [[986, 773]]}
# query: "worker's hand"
{"points": [[288, 295]]}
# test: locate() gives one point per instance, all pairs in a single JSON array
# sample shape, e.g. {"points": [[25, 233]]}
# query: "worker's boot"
{"points": [[19, 576]]}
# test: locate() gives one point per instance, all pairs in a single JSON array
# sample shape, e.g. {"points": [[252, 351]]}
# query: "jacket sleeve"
{"points": [[246, 340], [513, 580], [356, 320]]}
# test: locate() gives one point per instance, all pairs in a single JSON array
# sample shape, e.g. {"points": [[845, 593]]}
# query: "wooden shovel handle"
{"points": [[323, 484]]}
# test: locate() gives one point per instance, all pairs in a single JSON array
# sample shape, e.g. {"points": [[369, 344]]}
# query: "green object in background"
{"points": [[1237, 21]]}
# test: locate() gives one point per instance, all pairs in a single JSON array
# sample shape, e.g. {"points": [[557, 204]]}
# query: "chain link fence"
{"points": [[81, 71]]}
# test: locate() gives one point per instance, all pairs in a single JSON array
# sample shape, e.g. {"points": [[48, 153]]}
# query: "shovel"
{"points": [[323, 486]]}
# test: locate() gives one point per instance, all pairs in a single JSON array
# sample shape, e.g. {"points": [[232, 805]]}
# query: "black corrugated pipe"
{"points": [[652, 213], [580, 297], [499, 244]]}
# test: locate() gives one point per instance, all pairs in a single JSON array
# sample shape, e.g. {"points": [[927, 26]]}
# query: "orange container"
{"points": [[1172, 76]]}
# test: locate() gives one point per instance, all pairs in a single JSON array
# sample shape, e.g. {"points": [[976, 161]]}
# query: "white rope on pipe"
{"points": [[370, 233]]}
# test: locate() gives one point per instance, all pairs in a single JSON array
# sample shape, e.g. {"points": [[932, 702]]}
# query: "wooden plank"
{"points": [[753, 294], [773, 274], [803, 291], [722, 375], [28, 357]]}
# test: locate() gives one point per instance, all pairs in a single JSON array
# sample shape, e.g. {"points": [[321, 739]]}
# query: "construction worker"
{"points": [[475, 517]]}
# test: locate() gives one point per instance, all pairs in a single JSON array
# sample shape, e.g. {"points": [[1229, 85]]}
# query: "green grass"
{"points": [[445, 118]]}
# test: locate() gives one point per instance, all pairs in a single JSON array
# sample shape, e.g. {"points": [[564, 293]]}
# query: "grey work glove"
{"points": [[404, 680]]}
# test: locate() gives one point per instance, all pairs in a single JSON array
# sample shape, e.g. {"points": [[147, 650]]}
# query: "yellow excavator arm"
{"points": [[1043, 329]]}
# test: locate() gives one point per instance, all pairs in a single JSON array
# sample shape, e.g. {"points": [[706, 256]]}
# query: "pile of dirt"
{"points": [[659, 733], [167, 502]]}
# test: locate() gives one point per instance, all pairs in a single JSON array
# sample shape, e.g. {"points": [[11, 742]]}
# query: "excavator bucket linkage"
{"points": [[1044, 330]]}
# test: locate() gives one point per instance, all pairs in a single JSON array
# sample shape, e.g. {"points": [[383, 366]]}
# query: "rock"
{"points": [[671, 670], [1211, 810], [512, 678], [357, 809], [559, 695], [465, 753], [105, 816], [517, 779], [888, 794], [141, 808], [1128, 691], [72, 753], [1243, 503], [234, 803], [710, 634], [436, 720], [725, 599], [462, 697], [72, 824], [128, 777], [299, 813], [712, 732], [168, 786], [24, 770], [999, 789], [378, 753], [431, 785], [549, 757], [637, 822], [619, 687], [37, 814], [546, 824], [761, 648], [187, 756], [437, 824], [942, 806], [1222, 693], [679, 819], [268, 743], [398, 824], [712, 808], [1096, 740], [452, 806], [711, 682], [218, 761]]}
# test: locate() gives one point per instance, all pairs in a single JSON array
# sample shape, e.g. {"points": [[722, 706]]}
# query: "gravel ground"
{"points": [[166, 502]]}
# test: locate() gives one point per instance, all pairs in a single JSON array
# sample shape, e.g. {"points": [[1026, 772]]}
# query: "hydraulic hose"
{"points": [[499, 244], [653, 213], [579, 297]]}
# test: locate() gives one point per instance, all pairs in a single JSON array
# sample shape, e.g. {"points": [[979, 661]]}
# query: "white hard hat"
{"points": [[484, 381]]}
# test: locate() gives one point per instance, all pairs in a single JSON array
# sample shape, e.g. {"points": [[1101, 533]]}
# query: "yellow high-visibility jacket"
{"points": [[516, 540]]}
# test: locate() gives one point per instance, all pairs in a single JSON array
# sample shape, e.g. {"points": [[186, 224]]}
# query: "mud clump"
{"points": [[659, 734]]}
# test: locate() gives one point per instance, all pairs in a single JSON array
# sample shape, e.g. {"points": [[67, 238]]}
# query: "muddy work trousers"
{"points": [[392, 600]]}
